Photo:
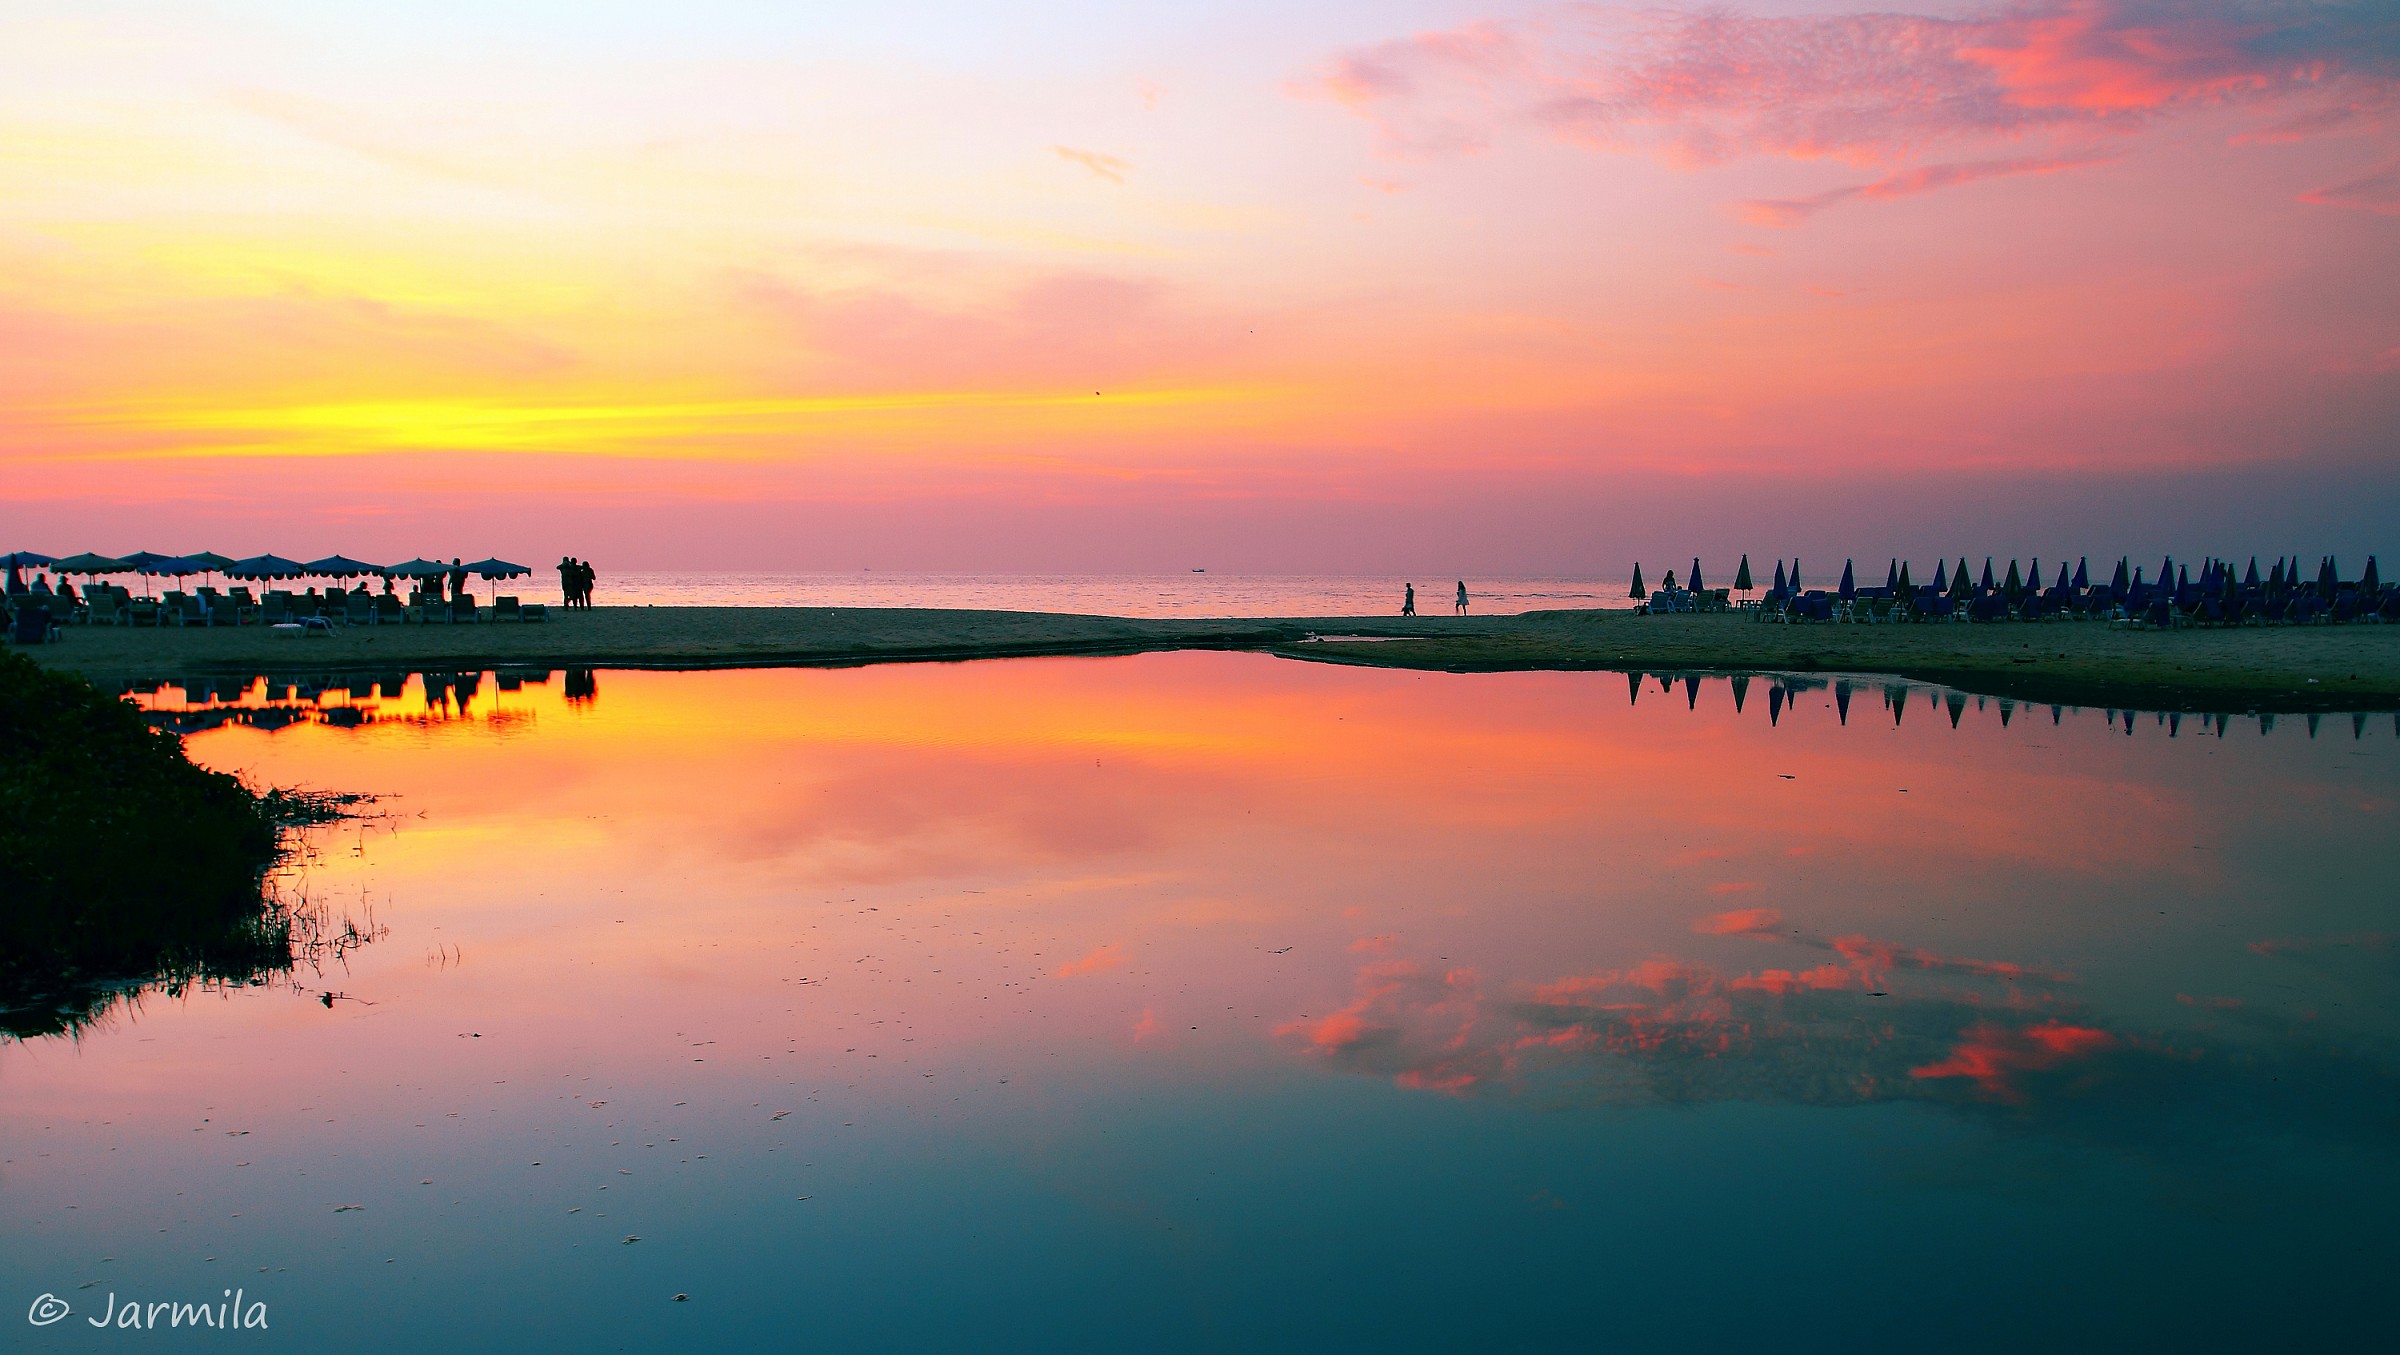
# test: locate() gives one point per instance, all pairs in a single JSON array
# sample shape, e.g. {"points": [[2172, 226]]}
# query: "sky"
{"points": [[1476, 287]]}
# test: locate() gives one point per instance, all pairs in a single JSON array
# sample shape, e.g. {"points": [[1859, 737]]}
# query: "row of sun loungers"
{"points": [[34, 617]]}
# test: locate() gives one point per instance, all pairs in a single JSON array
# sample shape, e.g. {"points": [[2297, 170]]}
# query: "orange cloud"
{"points": [[1740, 922], [1099, 961], [1107, 167]]}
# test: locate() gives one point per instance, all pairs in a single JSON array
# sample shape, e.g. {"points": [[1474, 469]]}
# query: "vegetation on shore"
{"points": [[123, 863]]}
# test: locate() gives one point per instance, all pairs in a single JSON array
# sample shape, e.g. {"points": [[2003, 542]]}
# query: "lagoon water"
{"points": [[1205, 1001]]}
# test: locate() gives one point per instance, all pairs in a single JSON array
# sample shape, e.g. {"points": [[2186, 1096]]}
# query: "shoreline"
{"points": [[2279, 670]]}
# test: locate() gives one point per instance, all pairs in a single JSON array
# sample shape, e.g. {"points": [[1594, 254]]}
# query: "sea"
{"points": [[1189, 594]]}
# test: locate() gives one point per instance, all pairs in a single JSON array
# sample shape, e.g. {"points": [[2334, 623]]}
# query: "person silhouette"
{"points": [[566, 580], [1461, 605], [1408, 601]]}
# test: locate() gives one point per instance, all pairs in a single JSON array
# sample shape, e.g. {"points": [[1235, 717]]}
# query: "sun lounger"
{"points": [[388, 610], [357, 609], [504, 608], [184, 609], [30, 622], [533, 611], [462, 608]]}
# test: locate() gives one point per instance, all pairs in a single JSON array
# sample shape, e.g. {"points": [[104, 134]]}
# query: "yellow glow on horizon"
{"points": [[660, 430]]}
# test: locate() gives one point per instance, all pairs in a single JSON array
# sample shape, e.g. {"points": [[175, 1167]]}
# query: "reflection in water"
{"points": [[1869, 1021], [1030, 1004], [289, 933], [271, 702]]}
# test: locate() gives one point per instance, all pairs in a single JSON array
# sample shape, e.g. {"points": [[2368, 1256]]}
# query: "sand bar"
{"points": [[2354, 667]]}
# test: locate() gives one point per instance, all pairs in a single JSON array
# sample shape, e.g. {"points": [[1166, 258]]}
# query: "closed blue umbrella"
{"points": [[1987, 585], [1779, 576], [2083, 574], [2370, 582], [1694, 582], [1849, 582], [1891, 576], [2120, 581]]}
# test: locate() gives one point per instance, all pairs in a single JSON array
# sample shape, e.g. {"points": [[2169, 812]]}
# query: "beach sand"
{"points": [[2268, 669]]}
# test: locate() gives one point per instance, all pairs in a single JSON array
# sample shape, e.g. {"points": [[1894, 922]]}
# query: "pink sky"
{"points": [[1485, 288]]}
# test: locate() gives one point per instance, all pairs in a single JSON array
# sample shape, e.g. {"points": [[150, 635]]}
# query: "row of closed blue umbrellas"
{"points": [[256, 567]]}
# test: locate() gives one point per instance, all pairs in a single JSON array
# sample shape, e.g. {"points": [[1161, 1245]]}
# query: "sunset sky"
{"points": [[1339, 287]]}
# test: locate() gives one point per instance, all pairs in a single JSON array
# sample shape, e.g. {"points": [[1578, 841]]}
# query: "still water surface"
{"points": [[1211, 1001]]}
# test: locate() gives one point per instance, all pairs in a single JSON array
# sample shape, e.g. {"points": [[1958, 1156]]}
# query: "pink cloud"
{"points": [[1783, 213], [2378, 190], [1700, 88], [1996, 1058]]}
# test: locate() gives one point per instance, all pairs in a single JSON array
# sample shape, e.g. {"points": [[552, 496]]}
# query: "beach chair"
{"points": [[184, 610], [358, 609], [30, 622], [462, 608], [534, 611], [102, 609], [388, 610], [505, 609]]}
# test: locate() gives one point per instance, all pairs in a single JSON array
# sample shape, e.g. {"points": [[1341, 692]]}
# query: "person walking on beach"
{"points": [[566, 580], [1461, 606], [1408, 601], [586, 577]]}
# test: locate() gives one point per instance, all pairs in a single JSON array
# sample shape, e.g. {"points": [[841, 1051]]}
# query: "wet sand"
{"points": [[2269, 669]]}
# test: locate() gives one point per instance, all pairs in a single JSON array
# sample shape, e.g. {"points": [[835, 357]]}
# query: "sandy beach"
{"points": [[2270, 669]]}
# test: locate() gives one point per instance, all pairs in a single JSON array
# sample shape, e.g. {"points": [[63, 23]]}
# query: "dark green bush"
{"points": [[119, 858]]}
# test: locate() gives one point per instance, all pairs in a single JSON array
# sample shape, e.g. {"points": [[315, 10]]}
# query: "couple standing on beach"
{"points": [[575, 580], [1408, 600]]}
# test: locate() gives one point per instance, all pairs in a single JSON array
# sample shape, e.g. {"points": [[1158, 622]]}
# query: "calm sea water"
{"points": [[1208, 1001], [1152, 595]]}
